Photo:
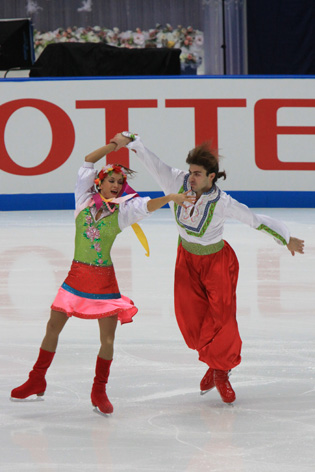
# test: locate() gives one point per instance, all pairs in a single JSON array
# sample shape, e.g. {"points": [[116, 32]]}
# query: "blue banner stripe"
{"points": [[253, 199], [92, 296]]}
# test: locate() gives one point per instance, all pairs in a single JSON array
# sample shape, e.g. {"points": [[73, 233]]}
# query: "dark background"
{"points": [[281, 36], [280, 33]]}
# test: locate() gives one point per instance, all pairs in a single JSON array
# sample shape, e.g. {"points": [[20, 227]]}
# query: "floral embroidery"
{"points": [[92, 233], [97, 247]]}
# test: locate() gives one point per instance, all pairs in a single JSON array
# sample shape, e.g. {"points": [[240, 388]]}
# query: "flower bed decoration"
{"points": [[189, 40]]}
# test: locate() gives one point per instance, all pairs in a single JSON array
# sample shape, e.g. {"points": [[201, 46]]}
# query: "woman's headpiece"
{"points": [[108, 170]]}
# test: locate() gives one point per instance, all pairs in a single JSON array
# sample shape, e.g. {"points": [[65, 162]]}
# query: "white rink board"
{"points": [[27, 135]]}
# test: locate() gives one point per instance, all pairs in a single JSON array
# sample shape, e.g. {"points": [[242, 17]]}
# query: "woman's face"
{"points": [[112, 185]]}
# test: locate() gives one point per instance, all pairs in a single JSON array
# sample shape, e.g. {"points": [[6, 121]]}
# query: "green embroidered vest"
{"points": [[94, 240]]}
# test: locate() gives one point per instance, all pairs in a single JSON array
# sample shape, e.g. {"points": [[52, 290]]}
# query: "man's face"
{"points": [[199, 181]]}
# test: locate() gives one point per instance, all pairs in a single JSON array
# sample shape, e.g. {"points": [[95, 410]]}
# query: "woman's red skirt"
{"points": [[92, 292]]}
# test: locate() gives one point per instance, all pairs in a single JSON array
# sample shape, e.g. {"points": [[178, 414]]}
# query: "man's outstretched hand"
{"points": [[296, 245]]}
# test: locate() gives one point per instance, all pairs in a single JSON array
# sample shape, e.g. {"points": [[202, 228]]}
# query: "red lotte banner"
{"points": [[264, 128]]}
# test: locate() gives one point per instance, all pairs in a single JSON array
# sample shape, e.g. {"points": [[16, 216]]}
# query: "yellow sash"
{"points": [[137, 229]]}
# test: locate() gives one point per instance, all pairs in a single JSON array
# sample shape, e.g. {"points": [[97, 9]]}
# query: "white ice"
{"points": [[160, 422]]}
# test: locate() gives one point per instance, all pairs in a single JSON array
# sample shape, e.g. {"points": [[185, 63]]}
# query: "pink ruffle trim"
{"points": [[85, 308]]}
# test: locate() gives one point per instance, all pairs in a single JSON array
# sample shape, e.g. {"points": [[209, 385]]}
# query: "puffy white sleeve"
{"points": [[169, 178], [270, 226], [132, 211], [84, 187]]}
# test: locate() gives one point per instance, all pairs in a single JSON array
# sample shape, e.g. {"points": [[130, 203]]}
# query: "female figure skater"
{"points": [[90, 290], [206, 269]]}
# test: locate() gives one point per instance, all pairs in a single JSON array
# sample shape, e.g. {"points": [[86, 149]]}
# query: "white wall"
{"points": [[26, 134]]}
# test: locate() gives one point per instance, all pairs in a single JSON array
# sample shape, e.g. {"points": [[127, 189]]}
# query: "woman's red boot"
{"points": [[36, 383], [207, 382], [98, 394], [222, 383]]}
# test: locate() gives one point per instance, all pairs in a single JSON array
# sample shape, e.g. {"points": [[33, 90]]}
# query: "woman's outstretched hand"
{"points": [[181, 198], [296, 245]]}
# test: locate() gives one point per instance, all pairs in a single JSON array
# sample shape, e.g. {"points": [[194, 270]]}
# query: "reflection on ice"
{"points": [[160, 423]]}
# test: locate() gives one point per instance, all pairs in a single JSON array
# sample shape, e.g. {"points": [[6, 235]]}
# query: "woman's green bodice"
{"points": [[94, 240]]}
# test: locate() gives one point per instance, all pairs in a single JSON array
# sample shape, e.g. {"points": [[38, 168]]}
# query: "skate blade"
{"points": [[231, 403], [30, 399], [99, 412], [203, 392]]}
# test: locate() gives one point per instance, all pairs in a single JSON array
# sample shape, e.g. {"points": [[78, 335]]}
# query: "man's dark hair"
{"points": [[206, 157]]}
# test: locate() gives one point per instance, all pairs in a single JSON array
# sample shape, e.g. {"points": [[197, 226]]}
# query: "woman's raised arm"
{"points": [[96, 155]]}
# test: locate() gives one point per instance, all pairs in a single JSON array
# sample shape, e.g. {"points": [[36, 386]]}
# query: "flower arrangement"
{"points": [[189, 40]]}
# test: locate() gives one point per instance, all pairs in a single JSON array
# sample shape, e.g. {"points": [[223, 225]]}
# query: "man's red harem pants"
{"points": [[205, 305]]}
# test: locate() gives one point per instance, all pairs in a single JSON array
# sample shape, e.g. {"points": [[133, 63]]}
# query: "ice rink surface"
{"points": [[160, 422]]}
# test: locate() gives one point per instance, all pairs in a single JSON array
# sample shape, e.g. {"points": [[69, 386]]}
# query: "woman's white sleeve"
{"points": [[132, 211], [169, 178], [268, 225], [85, 183]]}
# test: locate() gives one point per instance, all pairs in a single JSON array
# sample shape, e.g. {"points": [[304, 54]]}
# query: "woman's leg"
{"points": [[98, 394], [36, 383], [54, 327], [107, 337]]}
